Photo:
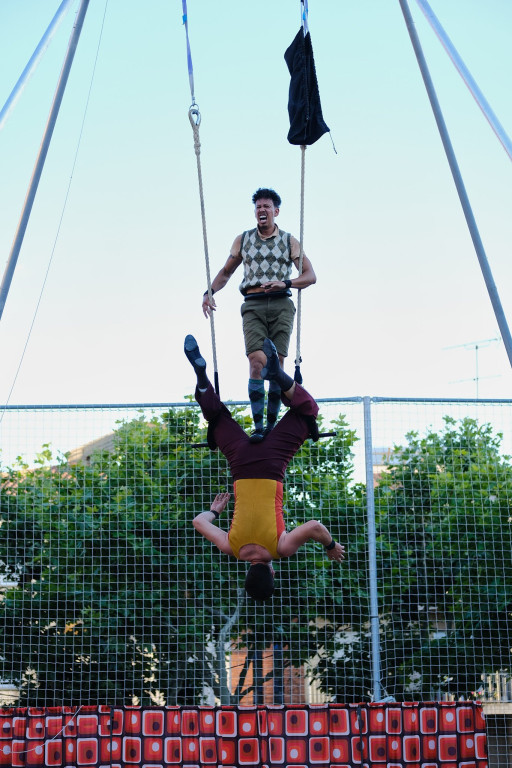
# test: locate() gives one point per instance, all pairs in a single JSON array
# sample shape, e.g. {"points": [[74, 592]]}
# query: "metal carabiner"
{"points": [[194, 115]]}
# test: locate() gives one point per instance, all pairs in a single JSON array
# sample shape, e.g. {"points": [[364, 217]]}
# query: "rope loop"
{"points": [[195, 121], [194, 115]]}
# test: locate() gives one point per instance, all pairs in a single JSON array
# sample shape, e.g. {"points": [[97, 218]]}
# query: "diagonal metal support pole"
{"points": [[43, 151], [467, 77], [452, 160], [33, 61]]}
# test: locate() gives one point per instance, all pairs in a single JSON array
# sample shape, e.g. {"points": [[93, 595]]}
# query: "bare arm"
{"points": [[220, 280], [313, 530], [307, 276], [203, 523]]}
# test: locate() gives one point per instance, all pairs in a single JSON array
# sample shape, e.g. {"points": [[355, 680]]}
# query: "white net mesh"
{"points": [[109, 595]]}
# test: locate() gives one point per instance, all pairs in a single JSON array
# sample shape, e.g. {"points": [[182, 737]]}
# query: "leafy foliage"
{"points": [[444, 573], [113, 596]]}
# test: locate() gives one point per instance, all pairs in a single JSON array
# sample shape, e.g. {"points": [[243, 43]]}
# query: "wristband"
{"points": [[288, 283], [215, 513], [206, 292], [331, 545]]}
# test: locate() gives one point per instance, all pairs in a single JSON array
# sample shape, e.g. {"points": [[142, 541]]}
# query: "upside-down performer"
{"points": [[257, 534]]}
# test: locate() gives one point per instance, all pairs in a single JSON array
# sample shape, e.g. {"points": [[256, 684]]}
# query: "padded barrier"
{"points": [[412, 735]]}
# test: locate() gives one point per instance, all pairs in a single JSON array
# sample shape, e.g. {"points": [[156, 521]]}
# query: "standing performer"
{"points": [[257, 534], [267, 254]]}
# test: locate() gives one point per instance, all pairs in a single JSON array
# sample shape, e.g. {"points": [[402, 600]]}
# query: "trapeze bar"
{"points": [[321, 434]]}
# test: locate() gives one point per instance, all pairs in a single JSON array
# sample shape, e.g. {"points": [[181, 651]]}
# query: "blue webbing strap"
{"points": [[189, 54], [305, 12]]}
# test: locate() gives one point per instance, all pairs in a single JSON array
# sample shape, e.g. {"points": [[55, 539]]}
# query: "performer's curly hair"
{"points": [[267, 194]]}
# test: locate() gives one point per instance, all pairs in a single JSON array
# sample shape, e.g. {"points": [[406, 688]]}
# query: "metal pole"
{"points": [[33, 61], [467, 77], [468, 213], [476, 369], [43, 151], [372, 549], [278, 674], [257, 663]]}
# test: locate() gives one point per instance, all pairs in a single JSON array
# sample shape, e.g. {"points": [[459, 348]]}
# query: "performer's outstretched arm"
{"points": [[203, 523], [313, 530]]}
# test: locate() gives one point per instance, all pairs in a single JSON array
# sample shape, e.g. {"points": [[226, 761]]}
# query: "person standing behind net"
{"points": [[257, 534], [267, 254]]}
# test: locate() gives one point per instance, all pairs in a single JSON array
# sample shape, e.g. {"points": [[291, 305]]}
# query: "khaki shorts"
{"points": [[272, 318]]}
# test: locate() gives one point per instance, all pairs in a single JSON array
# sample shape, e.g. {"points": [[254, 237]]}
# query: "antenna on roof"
{"points": [[477, 346]]}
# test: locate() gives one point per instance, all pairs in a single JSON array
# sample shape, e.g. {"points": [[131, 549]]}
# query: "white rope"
{"points": [[53, 738], [301, 253], [195, 121]]}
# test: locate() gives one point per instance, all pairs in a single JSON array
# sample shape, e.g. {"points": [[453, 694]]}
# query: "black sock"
{"points": [[257, 399]]}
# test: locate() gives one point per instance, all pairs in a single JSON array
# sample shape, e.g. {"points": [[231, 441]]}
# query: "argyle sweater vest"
{"points": [[265, 260]]}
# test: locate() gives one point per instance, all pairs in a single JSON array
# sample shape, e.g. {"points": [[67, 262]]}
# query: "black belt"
{"points": [[274, 295]]}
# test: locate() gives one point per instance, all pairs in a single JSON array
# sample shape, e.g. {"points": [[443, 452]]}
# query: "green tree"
{"points": [[98, 613], [114, 598], [444, 574]]}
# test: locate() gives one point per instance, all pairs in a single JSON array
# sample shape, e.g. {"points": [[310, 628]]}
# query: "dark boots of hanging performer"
{"points": [[198, 362], [278, 380], [272, 371], [273, 404]]}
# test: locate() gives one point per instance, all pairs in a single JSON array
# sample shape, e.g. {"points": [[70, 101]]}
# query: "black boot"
{"points": [[273, 371], [198, 363]]}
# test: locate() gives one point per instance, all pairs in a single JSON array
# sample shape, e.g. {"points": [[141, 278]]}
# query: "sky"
{"points": [[400, 307]]}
